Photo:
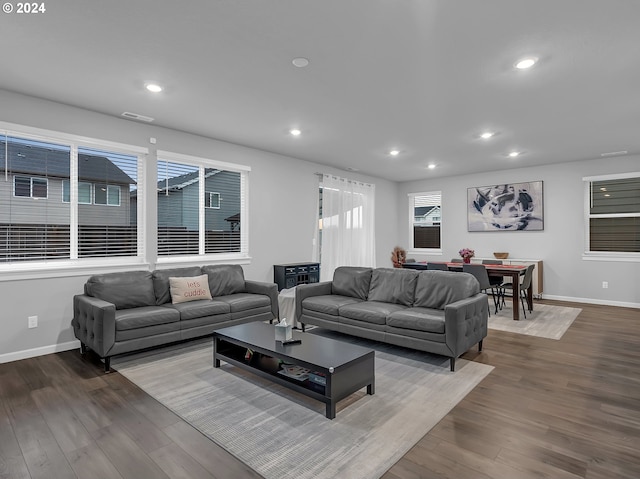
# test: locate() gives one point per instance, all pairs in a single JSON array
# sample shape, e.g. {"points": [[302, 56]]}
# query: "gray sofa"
{"points": [[124, 312], [439, 312]]}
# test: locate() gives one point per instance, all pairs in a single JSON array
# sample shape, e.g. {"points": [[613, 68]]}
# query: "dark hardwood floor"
{"points": [[550, 409]]}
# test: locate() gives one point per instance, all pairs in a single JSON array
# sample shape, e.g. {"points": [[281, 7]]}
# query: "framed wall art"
{"points": [[506, 207]]}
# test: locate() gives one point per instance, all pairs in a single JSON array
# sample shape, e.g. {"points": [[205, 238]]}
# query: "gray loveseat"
{"points": [[439, 312], [124, 312]]}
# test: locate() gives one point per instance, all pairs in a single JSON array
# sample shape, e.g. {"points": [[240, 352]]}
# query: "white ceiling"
{"points": [[423, 76]]}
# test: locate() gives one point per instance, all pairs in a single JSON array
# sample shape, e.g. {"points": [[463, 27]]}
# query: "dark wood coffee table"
{"points": [[346, 367]]}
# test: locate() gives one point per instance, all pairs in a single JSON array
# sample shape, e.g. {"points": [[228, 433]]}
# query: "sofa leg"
{"points": [[453, 364], [83, 348], [107, 364], [302, 324], [480, 346]]}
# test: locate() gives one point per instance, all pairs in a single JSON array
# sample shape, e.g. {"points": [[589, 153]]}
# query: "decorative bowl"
{"points": [[501, 255]]}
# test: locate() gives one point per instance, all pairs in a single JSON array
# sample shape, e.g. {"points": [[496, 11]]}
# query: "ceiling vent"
{"points": [[135, 116]]}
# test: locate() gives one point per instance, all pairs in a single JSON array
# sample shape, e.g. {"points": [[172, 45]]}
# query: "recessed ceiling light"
{"points": [[153, 87], [525, 63], [300, 62], [295, 132], [486, 135], [607, 195], [431, 166], [615, 153], [513, 154], [394, 152]]}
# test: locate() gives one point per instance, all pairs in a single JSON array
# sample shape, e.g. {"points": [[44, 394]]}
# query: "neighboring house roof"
{"points": [[425, 210], [182, 181], [35, 160]]}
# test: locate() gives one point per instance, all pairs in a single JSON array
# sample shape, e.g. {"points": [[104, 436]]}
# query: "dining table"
{"points": [[513, 271]]}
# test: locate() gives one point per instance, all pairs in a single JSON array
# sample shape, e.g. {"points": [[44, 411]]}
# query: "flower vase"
{"points": [[466, 259]]}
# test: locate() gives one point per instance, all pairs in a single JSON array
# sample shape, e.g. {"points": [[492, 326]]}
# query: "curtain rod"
{"points": [[349, 180]]}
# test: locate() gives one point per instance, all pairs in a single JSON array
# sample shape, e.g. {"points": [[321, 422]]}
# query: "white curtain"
{"points": [[347, 223]]}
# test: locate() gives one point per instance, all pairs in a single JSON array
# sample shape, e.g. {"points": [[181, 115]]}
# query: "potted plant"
{"points": [[398, 257], [467, 254]]}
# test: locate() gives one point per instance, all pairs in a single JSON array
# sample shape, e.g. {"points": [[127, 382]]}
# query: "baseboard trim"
{"points": [[604, 302], [32, 353]]}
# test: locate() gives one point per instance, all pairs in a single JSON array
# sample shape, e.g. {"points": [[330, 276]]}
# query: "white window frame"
{"points": [[202, 163], [604, 255], [31, 178], [210, 195], [73, 266], [108, 188], [80, 183], [411, 212]]}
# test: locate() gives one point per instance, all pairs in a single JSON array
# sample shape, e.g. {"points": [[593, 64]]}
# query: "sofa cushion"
{"points": [[145, 316], [161, 281], [351, 281], [390, 285], [225, 279], [244, 301], [191, 288], [329, 304], [200, 308], [132, 289], [436, 289], [370, 311], [418, 319]]}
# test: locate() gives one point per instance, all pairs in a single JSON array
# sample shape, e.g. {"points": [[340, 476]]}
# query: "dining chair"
{"points": [[480, 273], [438, 266], [456, 260], [496, 281], [524, 286]]}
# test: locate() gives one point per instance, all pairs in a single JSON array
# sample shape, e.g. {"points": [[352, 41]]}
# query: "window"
{"points": [[85, 191], [108, 225], [30, 187], [33, 230], [67, 222], [613, 215], [201, 207], [107, 195], [425, 216], [211, 200]]}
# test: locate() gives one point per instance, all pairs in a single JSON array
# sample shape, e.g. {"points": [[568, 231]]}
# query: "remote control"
{"points": [[292, 341]]}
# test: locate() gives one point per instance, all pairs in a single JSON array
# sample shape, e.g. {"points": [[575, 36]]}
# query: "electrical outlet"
{"points": [[605, 284], [33, 321]]}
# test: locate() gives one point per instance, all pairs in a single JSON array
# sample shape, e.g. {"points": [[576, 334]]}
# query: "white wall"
{"points": [[561, 245], [282, 210]]}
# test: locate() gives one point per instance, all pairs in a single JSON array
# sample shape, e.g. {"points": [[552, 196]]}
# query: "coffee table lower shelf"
{"points": [[340, 383]]}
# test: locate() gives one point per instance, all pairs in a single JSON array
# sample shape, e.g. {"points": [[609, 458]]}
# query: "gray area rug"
{"points": [[282, 434], [546, 321]]}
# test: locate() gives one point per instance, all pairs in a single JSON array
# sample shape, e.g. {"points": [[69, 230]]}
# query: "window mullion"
{"points": [[201, 217], [73, 201]]}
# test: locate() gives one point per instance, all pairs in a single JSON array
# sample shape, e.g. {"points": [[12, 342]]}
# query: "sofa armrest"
{"points": [[304, 291], [466, 323], [94, 323], [268, 289]]}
